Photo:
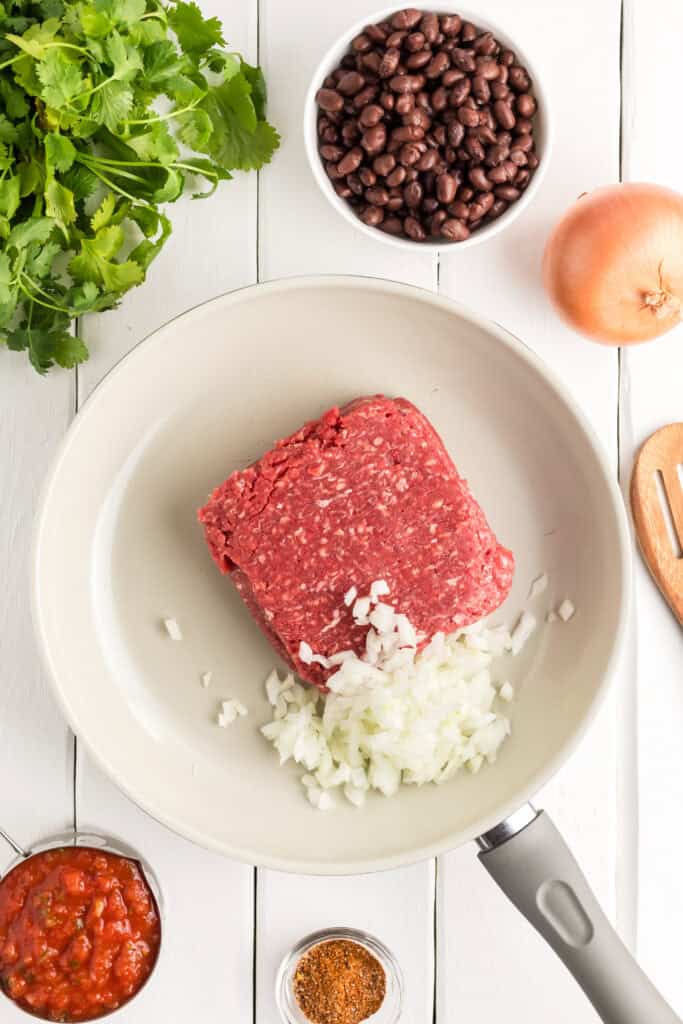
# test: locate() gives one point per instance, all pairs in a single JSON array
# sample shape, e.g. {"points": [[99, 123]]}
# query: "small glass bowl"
{"points": [[390, 1010], [94, 841]]}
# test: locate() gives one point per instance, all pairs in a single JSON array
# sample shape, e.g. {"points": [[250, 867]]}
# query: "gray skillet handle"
{"points": [[536, 871]]}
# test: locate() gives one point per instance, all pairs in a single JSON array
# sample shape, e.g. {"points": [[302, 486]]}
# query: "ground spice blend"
{"points": [[339, 982]]}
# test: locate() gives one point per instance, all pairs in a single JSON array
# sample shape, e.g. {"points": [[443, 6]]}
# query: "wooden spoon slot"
{"points": [[666, 504]]}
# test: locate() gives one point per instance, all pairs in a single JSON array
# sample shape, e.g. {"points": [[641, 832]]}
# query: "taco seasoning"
{"points": [[339, 982]]}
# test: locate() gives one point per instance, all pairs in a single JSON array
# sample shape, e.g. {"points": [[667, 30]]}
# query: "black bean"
{"points": [[404, 103], [374, 139], [525, 105], [333, 153], [518, 79], [468, 117], [329, 99], [481, 89], [412, 194], [419, 60], [362, 43], [454, 230], [351, 161], [485, 43], [446, 187], [459, 92], [450, 24], [370, 115], [373, 216], [469, 32], [406, 83], [384, 164], [392, 225], [477, 177], [463, 59], [414, 229], [377, 196], [396, 177], [435, 223], [367, 176], [389, 62], [365, 96], [429, 26], [350, 83], [503, 114], [407, 18], [507, 192], [481, 206], [414, 41]]}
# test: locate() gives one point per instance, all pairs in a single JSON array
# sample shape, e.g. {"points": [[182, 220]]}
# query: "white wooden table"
{"points": [[613, 71]]}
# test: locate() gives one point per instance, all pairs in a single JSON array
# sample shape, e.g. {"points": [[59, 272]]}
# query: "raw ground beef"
{"points": [[366, 492]]}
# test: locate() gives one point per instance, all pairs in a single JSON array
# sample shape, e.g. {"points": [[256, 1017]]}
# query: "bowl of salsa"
{"points": [[80, 928]]}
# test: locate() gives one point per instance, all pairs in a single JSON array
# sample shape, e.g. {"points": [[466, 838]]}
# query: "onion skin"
{"points": [[613, 266]]}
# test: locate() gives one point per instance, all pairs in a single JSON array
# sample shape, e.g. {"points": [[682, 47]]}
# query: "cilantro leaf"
{"points": [[103, 213], [195, 127], [60, 78], [195, 33], [37, 229], [111, 105], [95, 262], [60, 152], [9, 196], [59, 203], [239, 141]]}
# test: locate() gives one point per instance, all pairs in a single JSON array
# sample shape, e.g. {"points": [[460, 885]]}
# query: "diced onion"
{"points": [[396, 715], [173, 629]]}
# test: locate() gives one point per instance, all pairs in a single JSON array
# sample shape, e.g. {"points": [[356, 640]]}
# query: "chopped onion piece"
{"points": [[350, 596], [305, 652], [551, 616], [173, 629], [507, 691], [566, 610], [526, 624], [380, 588], [206, 678], [539, 586]]}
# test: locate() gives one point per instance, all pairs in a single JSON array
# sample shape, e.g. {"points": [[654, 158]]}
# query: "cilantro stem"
{"points": [[34, 298], [111, 185], [96, 88], [34, 284], [111, 168], [67, 46], [172, 114], [7, 63]]}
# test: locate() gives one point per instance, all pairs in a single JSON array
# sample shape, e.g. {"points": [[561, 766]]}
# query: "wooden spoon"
{"points": [[660, 457]]}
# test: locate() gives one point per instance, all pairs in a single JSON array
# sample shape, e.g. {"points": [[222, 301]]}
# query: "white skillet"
{"points": [[118, 549]]}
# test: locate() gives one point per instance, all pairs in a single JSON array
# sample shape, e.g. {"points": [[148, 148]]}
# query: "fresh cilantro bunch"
{"points": [[108, 109]]}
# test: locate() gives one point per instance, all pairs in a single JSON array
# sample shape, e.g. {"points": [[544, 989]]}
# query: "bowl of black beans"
{"points": [[426, 126]]}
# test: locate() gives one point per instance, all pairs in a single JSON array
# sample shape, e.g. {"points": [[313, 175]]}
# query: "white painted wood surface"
{"points": [[619, 800]]}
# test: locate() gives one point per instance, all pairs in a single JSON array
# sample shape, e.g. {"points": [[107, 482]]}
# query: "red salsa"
{"points": [[79, 933]]}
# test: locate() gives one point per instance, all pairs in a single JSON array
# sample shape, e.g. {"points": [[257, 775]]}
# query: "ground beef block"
{"points": [[365, 492]]}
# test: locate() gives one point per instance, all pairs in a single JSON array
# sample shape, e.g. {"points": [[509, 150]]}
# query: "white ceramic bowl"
{"points": [[542, 130]]}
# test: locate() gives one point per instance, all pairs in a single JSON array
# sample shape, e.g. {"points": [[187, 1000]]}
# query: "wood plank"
{"points": [[35, 743], [300, 233], [651, 397], [490, 961], [206, 969]]}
